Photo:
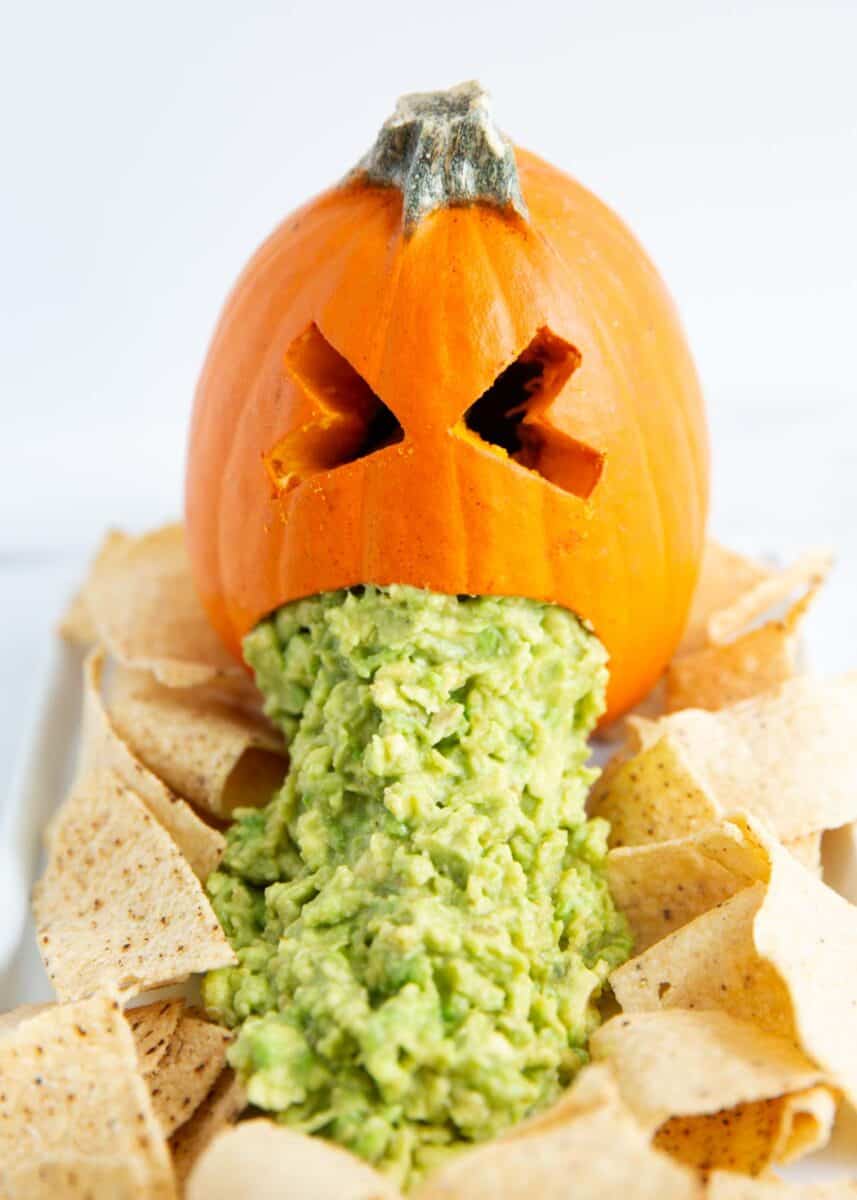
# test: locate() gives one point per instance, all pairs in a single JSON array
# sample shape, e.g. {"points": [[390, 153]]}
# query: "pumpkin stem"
{"points": [[442, 149]]}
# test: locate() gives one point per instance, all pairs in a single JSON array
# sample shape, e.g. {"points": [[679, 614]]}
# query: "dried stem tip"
{"points": [[442, 149]]}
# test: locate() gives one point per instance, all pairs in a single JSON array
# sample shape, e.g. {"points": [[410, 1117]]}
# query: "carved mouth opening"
{"points": [[514, 415], [346, 420]]}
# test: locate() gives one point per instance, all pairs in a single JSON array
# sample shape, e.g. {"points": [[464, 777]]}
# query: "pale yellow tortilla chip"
{"points": [[725, 576], [75, 1116], [221, 1107], [597, 1153], [105, 752], [719, 1091], [213, 754], [788, 757], [751, 1137], [806, 575], [807, 851], [686, 1062], [76, 625], [779, 954], [153, 1027], [192, 1064], [724, 1185], [143, 604], [268, 1162], [118, 904], [660, 886], [725, 673]]}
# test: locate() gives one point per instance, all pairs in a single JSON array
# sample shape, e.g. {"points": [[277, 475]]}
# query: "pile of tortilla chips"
{"points": [[736, 1041]]}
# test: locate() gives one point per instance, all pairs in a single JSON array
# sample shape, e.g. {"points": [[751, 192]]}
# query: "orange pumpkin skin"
{"points": [[429, 320]]}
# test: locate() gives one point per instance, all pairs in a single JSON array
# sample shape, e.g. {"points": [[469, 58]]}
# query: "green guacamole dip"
{"points": [[421, 915]]}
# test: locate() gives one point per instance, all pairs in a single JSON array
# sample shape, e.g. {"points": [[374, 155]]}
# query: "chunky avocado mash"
{"points": [[421, 915]]}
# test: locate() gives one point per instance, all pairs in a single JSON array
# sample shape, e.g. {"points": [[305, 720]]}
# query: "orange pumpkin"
{"points": [[458, 370]]}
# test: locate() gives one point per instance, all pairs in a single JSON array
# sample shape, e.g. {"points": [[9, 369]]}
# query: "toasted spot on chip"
{"points": [[118, 904], [75, 1117], [598, 1152], [144, 607], [788, 757], [220, 1108], [213, 754], [195, 1058], [105, 752], [268, 1161]]}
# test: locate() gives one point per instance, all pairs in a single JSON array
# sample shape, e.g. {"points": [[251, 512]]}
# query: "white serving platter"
{"points": [[44, 773]]}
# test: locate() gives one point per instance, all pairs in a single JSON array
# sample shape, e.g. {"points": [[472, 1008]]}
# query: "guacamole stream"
{"points": [[421, 914]]}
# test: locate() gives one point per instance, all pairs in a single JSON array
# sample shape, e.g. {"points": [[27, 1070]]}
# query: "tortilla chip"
{"points": [[723, 1185], [719, 1092], [118, 904], [76, 625], [9, 1021], [750, 1137], [143, 604], [153, 1027], [217, 756], [599, 1152], [804, 576], [194, 1060], [788, 757], [757, 661], [75, 1116], [681, 1062], [221, 1107], [104, 752], [660, 886], [780, 955], [268, 1161], [724, 577], [807, 851]]}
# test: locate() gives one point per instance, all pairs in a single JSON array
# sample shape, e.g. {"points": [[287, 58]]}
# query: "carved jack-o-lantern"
{"points": [[456, 370]]}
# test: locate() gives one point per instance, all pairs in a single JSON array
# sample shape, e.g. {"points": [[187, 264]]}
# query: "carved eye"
{"points": [[346, 420], [514, 415]]}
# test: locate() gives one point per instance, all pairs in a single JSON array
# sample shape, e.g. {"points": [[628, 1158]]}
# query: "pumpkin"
{"points": [[456, 369]]}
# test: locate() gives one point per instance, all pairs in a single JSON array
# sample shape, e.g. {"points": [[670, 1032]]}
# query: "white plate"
{"points": [[45, 772]]}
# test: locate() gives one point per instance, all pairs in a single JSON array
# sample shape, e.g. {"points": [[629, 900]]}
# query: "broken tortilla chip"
{"points": [[718, 1091], [153, 1027], [220, 1108], [213, 754], [75, 1115], [779, 954], [756, 661], [143, 604], [660, 886], [105, 752], [186, 1073], [788, 757], [750, 1137], [724, 577], [268, 1161], [118, 904], [600, 1147]]}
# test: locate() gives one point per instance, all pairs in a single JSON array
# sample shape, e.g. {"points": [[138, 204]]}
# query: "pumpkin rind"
{"points": [[429, 321]]}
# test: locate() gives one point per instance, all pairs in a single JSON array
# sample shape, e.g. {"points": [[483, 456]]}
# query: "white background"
{"points": [[147, 148]]}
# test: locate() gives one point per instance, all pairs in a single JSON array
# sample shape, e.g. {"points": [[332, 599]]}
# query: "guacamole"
{"points": [[421, 915]]}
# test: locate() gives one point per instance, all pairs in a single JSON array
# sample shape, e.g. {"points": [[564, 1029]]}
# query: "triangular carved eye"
{"points": [[346, 420], [513, 415]]}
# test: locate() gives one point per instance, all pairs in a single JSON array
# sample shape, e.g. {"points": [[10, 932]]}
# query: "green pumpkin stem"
{"points": [[442, 149]]}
